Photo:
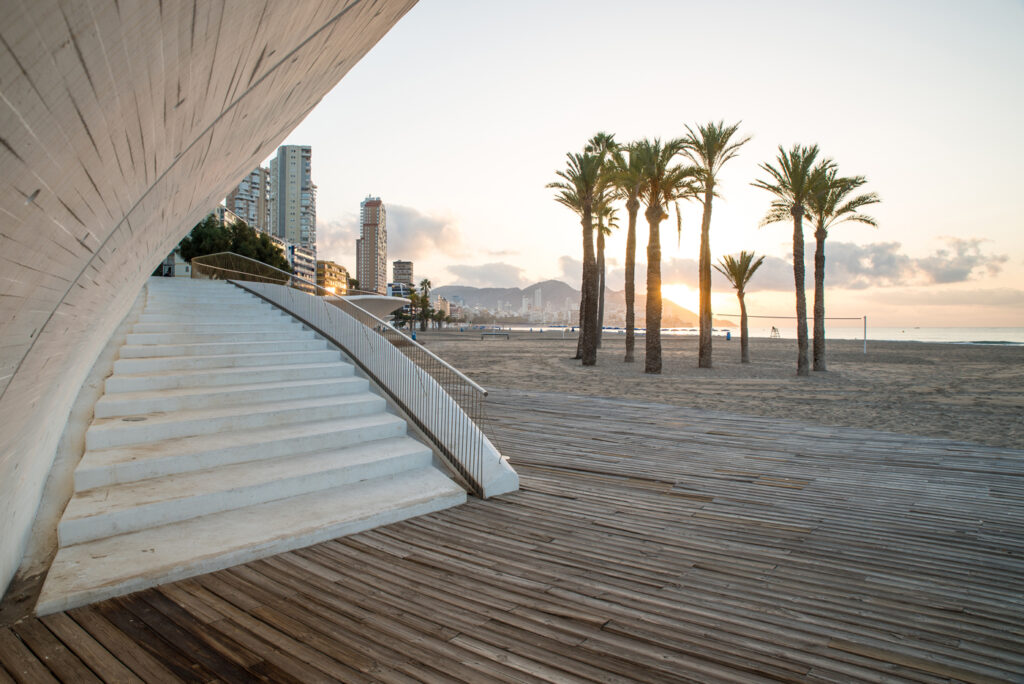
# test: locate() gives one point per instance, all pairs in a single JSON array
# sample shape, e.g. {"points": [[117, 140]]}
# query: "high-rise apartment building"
{"points": [[372, 247], [293, 196], [402, 272], [250, 199]]}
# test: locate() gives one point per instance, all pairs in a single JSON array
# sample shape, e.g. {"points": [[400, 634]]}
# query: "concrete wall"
{"points": [[122, 123]]}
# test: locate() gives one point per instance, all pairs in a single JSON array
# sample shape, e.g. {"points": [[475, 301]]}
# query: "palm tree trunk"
{"points": [[819, 299], [652, 362], [744, 344], [579, 338], [704, 276], [632, 206], [589, 331], [802, 365], [600, 286]]}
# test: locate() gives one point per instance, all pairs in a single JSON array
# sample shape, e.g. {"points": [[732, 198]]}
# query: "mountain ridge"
{"points": [[560, 294]]}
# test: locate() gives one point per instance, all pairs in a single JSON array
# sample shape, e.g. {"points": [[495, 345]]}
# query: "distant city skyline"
{"points": [[922, 98]]}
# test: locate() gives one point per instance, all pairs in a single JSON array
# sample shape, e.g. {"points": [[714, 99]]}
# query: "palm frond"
{"points": [[739, 270], [831, 202], [796, 178], [710, 147]]}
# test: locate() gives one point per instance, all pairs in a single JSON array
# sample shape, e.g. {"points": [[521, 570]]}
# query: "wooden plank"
{"points": [[20, 662], [227, 597], [64, 664], [121, 646], [91, 652]]}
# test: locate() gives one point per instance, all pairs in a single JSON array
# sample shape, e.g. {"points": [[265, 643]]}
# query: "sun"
{"points": [[682, 295]]}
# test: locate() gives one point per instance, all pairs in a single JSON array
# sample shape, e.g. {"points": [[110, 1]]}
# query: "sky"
{"points": [[463, 112]]}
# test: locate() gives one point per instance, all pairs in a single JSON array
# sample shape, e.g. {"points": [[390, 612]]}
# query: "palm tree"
{"points": [[739, 271], [627, 181], [664, 183], [582, 183], [603, 145], [793, 183], [606, 222], [425, 311], [832, 205], [708, 148]]}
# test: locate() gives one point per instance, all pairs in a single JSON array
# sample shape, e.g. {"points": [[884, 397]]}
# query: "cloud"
{"points": [[848, 266], [960, 262], [336, 239], [414, 235], [856, 267], [571, 270], [997, 297], [774, 274], [495, 274], [411, 235]]}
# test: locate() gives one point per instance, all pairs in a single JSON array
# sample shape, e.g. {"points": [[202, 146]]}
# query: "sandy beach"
{"points": [[973, 393]]}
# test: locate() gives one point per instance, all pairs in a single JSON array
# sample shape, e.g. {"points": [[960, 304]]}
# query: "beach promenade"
{"points": [[649, 542]]}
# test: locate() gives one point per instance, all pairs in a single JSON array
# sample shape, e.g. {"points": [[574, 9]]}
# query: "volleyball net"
{"points": [[811, 318]]}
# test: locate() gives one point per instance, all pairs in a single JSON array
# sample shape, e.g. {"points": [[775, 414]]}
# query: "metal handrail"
{"points": [[287, 277], [446, 405], [323, 292]]}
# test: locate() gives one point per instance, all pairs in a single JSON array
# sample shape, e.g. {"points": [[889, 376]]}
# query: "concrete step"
{"points": [[233, 316], [194, 398], [121, 508], [205, 301], [283, 345], [196, 327], [154, 427], [267, 333], [171, 380], [97, 570], [204, 310], [212, 293], [159, 364], [102, 467]]}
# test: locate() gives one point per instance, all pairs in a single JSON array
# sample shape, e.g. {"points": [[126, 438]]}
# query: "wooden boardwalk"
{"points": [[649, 543]]}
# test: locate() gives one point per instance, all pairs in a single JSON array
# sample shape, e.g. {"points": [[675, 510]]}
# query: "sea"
{"points": [[950, 335]]}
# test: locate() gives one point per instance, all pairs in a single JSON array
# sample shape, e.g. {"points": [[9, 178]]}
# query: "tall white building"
{"points": [[293, 196], [250, 199], [372, 246]]}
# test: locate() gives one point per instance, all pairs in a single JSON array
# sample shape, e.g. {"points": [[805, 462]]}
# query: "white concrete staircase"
{"points": [[228, 432]]}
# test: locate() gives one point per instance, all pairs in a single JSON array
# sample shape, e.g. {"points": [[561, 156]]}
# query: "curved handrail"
{"points": [[445, 404], [288, 277]]}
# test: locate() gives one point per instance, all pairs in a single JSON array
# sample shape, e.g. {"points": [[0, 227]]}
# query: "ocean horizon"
{"points": [[948, 335]]}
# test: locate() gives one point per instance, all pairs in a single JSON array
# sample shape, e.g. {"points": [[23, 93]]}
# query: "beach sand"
{"points": [[972, 393]]}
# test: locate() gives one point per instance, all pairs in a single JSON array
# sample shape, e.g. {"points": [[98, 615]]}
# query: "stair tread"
{"points": [[261, 354], [192, 447], [224, 389], [124, 496], [96, 570], [176, 349], [241, 370], [270, 406], [168, 337]]}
